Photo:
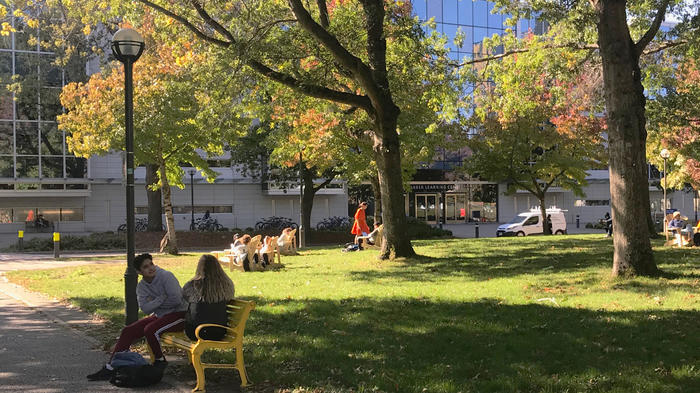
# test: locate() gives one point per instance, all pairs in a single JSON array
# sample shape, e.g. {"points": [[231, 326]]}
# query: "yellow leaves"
{"points": [[87, 30], [33, 23], [6, 29]]}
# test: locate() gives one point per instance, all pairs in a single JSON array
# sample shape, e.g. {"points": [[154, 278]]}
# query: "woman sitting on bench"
{"points": [[207, 295]]}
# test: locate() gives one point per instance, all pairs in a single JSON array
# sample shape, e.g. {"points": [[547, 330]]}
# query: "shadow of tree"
{"points": [[408, 345]]}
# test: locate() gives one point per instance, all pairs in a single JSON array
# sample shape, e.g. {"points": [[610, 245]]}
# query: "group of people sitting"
{"points": [[172, 308], [264, 253]]}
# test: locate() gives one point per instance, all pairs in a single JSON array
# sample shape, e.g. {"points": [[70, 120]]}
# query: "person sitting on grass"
{"points": [[207, 295], [370, 237], [160, 296], [240, 251], [265, 250], [676, 225]]}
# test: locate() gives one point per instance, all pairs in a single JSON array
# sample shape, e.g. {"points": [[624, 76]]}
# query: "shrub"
{"points": [[335, 224], [95, 241], [418, 229], [273, 223]]}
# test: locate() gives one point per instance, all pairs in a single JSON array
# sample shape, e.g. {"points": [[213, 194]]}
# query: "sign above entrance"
{"points": [[432, 187]]}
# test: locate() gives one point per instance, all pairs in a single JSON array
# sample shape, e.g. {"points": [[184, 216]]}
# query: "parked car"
{"points": [[530, 223]]}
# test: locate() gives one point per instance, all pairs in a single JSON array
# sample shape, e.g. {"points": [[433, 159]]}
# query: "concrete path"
{"points": [[43, 350]]}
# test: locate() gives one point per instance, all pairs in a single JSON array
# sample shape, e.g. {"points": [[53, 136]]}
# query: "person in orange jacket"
{"points": [[360, 228]]}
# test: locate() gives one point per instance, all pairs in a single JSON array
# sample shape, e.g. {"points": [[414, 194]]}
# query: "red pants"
{"points": [[150, 327]]}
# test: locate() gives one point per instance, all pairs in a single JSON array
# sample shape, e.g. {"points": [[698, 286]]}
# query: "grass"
{"points": [[536, 314]]}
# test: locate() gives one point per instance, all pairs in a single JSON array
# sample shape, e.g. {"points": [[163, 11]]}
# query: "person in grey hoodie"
{"points": [[160, 295]]}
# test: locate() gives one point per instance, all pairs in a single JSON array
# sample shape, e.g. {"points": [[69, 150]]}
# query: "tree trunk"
{"points": [[155, 207], [377, 199], [543, 211], [386, 149], [307, 201], [170, 240], [624, 101]]}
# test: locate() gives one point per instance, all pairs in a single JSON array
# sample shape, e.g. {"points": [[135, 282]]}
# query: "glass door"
{"points": [[455, 208], [426, 208]]}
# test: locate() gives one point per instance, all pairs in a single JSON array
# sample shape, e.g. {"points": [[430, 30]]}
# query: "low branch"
{"points": [[325, 183], [524, 50]]}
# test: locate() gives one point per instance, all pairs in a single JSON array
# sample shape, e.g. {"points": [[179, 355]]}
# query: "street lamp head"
{"points": [[191, 172], [127, 45], [665, 154]]}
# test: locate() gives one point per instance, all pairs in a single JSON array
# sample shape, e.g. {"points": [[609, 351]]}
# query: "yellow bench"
{"points": [[238, 311]]}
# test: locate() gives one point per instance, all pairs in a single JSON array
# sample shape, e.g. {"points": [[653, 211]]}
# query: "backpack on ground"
{"points": [[132, 370], [696, 239]]}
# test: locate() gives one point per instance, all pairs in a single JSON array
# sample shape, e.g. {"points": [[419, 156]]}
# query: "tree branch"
{"points": [[187, 24], [354, 64], [311, 90], [211, 22], [664, 45], [325, 183], [524, 50], [653, 29], [323, 13]]}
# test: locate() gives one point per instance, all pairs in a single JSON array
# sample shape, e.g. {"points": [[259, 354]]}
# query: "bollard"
{"points": [[476, 230], [577, 222], [56, 244], [20, 241]]}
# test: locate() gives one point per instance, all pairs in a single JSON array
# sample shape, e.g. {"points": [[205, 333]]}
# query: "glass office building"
{"points": [[34, 160], [434, 197]]}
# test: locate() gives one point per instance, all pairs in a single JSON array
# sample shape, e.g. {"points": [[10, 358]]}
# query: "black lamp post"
{"points": [[192, 172], [665, 154], [127, 46], [302, 240]]}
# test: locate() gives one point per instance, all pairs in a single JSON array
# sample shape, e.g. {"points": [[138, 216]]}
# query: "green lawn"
{"points": [[536, 314]]}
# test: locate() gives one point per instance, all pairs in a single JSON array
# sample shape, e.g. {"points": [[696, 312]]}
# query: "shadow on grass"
{"points": [[494, 258], [409, 345]]}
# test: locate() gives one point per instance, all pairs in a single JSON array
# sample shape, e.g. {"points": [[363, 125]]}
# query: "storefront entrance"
{"points": [[427, 207]]}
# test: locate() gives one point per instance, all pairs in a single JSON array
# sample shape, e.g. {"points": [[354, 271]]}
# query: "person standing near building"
{"points": [[360, 227]]}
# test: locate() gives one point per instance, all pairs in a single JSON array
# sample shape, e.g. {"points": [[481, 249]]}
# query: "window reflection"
{"points": [[6, 138], [28, 166], [52, 167], [7, 166], [51, 140], [76, 167], [27, 138]]}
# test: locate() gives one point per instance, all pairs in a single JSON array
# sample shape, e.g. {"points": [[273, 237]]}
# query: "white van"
{"points": [[530, 223]]}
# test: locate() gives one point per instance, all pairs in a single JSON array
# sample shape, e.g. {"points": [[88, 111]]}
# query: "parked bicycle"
{"points": [[207, 224], [140, 225]]}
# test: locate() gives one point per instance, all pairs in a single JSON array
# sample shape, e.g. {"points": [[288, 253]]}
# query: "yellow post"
{"points": [[20, 241], [56, 244]]}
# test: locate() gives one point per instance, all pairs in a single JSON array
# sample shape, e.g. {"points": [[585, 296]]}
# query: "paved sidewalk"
{"points": [[42, 350]]}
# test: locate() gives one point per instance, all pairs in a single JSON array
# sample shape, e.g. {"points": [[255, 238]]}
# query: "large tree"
{"points": [[537, 120], [349, 41], [176, 121], [619, 32]]}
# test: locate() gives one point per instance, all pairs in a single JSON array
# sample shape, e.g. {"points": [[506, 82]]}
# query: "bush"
{"points": [[95, 241], [335, 224], [418, 229], [274, 223], [596, 225]]}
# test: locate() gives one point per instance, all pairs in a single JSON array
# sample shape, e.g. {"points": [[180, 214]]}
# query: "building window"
{"points": [[592, 202]]}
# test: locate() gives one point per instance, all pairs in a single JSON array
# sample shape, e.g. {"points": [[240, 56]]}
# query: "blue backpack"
{"points": [[132, 370]]}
